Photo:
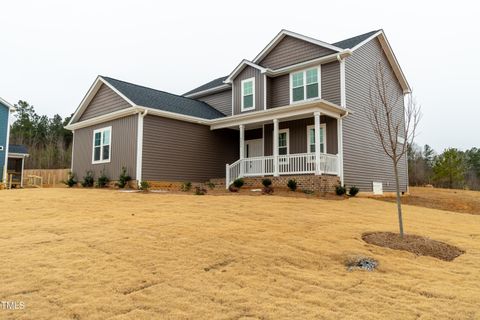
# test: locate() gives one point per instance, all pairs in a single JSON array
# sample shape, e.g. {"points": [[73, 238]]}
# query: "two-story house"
{"points": [[297, 110]]}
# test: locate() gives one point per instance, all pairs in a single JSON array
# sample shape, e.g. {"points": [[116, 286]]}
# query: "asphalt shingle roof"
{"points": [[352, 42], [161, 100], [17, 148], [209, 85]]}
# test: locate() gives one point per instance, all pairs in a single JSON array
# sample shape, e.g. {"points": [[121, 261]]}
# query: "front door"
{"points": [[253, 148]]}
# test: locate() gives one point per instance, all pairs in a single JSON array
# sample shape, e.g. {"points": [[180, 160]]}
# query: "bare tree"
{"points": [[394, 128]]}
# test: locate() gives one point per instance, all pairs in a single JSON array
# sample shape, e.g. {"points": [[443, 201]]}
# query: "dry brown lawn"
{"points": [[101, 254], [463, 201]]}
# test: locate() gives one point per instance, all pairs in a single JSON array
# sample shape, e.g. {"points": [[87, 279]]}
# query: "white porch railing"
{"points": [[298, 163]]}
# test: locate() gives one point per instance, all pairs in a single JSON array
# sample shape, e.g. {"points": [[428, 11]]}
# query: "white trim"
{"points": [[308, 64], [18, 155], [73, 150], [343, 92], [319, 84], [322, 126], [264, 91], [253, 94], [91, 94], [275, 147], [103, 118], [138, 174], [263, 138], [216, 89], [392, 59], [21, 173], [233, 99], [279, 37], [7, 104], [101, 160], [242, 66], [340, 149]]}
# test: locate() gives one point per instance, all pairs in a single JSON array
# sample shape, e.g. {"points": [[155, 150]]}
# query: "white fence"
{"points": [[298, 163]]}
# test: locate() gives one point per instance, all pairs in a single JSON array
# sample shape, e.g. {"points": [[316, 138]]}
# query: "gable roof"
{"points": [[7, 104], [161, 100], [244, 63], [354, 41], [207, 86], [17, 148]]}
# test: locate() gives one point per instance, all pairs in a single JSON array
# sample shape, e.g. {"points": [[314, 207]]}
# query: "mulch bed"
{"points": [[418, 245]]}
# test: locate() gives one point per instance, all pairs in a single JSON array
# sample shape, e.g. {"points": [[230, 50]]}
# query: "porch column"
{"points": [[317, 143], [340, 149], [242, 148], [21, 175], [275, 148]]}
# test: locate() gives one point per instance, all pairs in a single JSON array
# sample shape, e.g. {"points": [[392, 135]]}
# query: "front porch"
{"points": [[305, 144]]}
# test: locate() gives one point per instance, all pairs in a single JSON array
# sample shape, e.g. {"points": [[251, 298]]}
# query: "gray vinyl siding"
{"points": [[291, 51], [278, 90], [248, 72], [181, 151], [298, 135], [222, 101], [364, 160], [123, 145], [330, 77], [105, 101]]}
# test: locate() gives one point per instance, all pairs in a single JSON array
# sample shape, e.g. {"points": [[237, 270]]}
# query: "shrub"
{"points": [[267, 182], [292, 184], [307, 191], [210, 185], [103, 180], [353, 191], [186, 186], [238, 183], [123, 179], [200, 191], [340, 190], [145, 186], [71, 180], [88, 180], [267, 190], [231, 188]]}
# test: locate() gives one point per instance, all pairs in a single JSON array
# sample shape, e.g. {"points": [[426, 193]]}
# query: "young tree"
{"points": [[394, 126], [449, 169]]}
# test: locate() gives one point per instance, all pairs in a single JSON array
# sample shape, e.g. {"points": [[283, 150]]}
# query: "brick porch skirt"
{"points": [[323, 183]]}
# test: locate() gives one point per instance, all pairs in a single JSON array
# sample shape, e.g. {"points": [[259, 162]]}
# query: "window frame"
{"points": [[324, 126], [287, 131], [102, 132], [242, 87], [304, 72]]}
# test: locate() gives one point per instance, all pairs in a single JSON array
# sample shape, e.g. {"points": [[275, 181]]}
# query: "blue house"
{"points": [[12, 157]]}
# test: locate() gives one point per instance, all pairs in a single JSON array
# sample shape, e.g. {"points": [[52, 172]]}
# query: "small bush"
{"points": [[340, 190], [267, 190], [232, 188], [88, 180], [266, 182], [123, 179], [307, 191], [145, 186], [71, 180], [292, 184], [353, 191], [103, 180], [238, 183], [200, 191], [210, 185], [186, 186]]}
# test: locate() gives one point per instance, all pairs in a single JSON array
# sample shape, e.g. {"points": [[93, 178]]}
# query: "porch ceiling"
{"points": [[256, 119]]}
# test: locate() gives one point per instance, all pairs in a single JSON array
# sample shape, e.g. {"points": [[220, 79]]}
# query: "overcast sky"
{"points": [[51, 51]]}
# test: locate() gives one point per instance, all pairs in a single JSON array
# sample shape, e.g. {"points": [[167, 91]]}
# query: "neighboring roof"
{"points": [[7, 104], [160, 100], [209, 85], [17, 148], [354, 41]]}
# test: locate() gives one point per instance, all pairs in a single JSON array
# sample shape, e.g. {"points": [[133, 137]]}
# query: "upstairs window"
{"points": [[305, 85], [248, 94], [102, 145]]}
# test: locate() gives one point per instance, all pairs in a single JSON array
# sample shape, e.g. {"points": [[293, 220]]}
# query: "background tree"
{"points": [[394, 128], [48, 142], [449, 169]]}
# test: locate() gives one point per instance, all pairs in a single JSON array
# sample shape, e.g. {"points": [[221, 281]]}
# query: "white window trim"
{"points": [[287, 131], [241, 94], [101, 146], [324, 126], [304, 71]]}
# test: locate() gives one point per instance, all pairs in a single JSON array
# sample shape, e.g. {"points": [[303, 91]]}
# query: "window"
{"points": [[311, 138], [283, 147], [248, 94], [305, 85], [102, 145]]}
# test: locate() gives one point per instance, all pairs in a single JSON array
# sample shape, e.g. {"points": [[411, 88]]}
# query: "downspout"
{"points": [[141, 116]]}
